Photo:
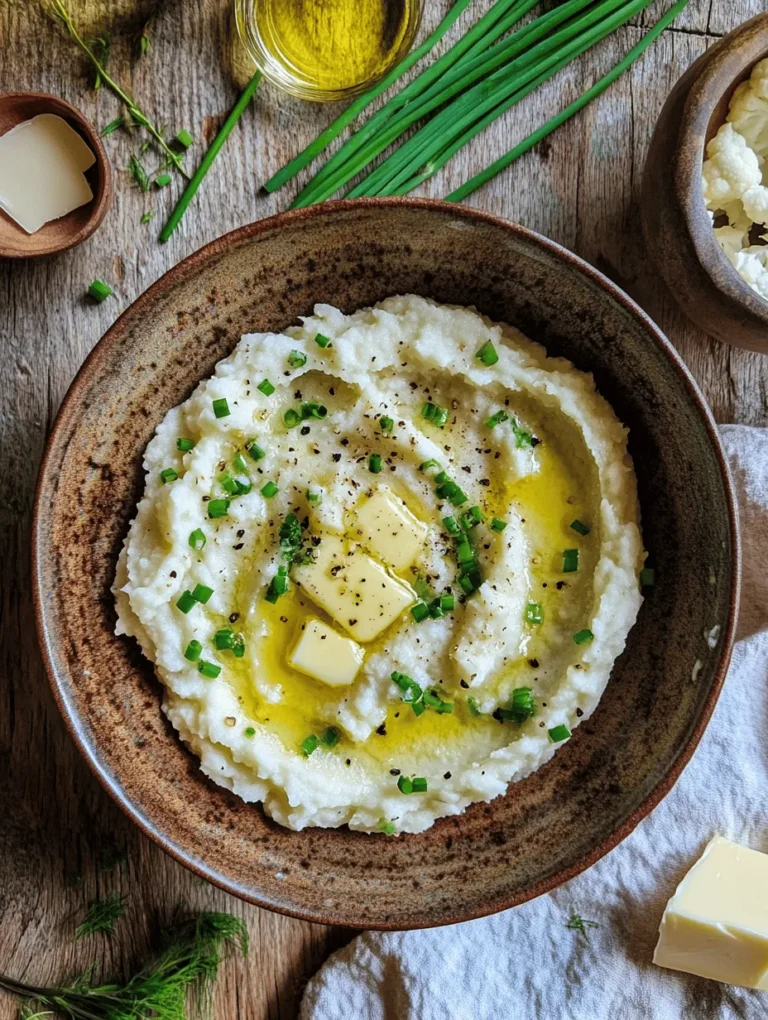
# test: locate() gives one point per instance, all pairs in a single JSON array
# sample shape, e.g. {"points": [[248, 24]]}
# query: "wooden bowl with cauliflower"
{"points": [[705, 189]]}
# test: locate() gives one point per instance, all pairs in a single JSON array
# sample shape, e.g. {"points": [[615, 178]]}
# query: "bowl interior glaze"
{"points": [[620, 762]]}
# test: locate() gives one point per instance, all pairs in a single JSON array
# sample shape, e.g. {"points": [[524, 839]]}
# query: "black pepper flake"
{"points": [[238, 546], [336, 458], [348, 761], [533, 663], [234, 617], [394, 772], [382, 730], [485, 481], [560, 585], [579, 713], [344, 441], [447, 775], [305, 430], [464, 684]]}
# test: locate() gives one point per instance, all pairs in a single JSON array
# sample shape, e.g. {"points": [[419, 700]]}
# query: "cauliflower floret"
{"points": [[731, 239], [748, 110], [731, 168], [752, 266], [755, 201]]}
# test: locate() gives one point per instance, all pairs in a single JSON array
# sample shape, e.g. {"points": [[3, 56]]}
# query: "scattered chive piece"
{"points": [[280, 583], [404, 784], [583, 637], [427, 464], [458, 496], [218, 508], [419, 784], [420, 611], [314, 497], [436, 415], [374, 463], [297, 359], [209, 669], [313, 411], [113, 126], [162, 181], [451, 526], [229, 484], [412, 692], [447, 602], [239, 462], [321, 340], [523, 437], [183, 137], [534, 612], [647, 577], [250, 731], [146, 217], [224, 638], [185, 445], [238, 646], [99, 290], [291, 418], [388, 828], [570, 560], [268, 490], [488, 354], [254, 450], [497, 419], [193, 651], [197, 540], [266, 387], [521, 705], [432, 699], [472, 706], [558, 733], [471, 518], [579, 528], [331, 737], [418, 707], [186, 601], [466, 584], [497, 524], [386, 424], [201, 593], [168, 475], [309, 745], [221, 408]]}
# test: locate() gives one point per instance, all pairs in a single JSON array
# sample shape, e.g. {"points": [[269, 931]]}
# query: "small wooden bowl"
{"points": [[73, 228], [678, 232]]}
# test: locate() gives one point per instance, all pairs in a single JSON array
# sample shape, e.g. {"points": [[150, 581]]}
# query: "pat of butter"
{"points": [[388, 528], [322, 653], [716, 924], [353, 588], [42, 162]]}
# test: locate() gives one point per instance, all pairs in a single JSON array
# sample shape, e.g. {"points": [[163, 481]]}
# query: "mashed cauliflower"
{"points": [[383, 564]]}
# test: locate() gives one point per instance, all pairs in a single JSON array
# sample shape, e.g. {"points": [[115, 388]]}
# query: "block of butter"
{"points": [[322, 653], [716, 924]]}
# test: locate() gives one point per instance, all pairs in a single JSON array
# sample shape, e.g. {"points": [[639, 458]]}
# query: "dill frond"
{"points": [[102, 915], [580, 924]]}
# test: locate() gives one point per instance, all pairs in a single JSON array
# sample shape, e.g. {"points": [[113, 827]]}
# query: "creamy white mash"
{"points": [[384, 563]]}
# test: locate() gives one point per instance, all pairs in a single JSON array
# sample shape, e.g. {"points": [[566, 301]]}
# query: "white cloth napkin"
{"points": [[525, 964]]}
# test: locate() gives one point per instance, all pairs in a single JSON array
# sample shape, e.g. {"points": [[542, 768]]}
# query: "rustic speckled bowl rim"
{"points": [[93, 365]]}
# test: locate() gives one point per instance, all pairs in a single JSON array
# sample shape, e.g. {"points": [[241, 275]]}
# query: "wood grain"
{"points": [[581, 188]]}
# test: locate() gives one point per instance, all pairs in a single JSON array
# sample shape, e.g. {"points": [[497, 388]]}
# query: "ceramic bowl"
{"points": [[678, 231], [619, 764], [75, 227]]}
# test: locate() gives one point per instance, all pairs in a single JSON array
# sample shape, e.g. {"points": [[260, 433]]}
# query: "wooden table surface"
{"points": [[58, 828]]}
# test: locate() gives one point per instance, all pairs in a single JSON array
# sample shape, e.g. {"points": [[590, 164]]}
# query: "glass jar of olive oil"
{"points": [[327, 49]]}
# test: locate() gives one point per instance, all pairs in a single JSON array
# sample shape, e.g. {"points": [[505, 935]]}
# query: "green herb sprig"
{"points": [[580, 924], [59, 9], [102, 916], [188, 961]]}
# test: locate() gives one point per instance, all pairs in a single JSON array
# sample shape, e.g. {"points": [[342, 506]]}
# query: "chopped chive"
{"points": [[201, 593], [146, 217], [386, 424], [309, 745], [280, 583], [412, 692], [447, 603], [374, 463], [583, 637], [266, 387], [321, 340], [521, 706], [250, 731], [418, 707], [224, 639], [291, 418], [331, 737], [433, 700], [558, 733], [647, 577], [404, 784], [99, 290], [209, 669], [579, 528], [221, 408], [239, 462], [427, 464], [185, 445], [313, 411], [451, 526], [570, 560], [162, 181], [523, 437], [229, 484], [254, 450], [466, 584], [497, 524], [497, 419], [168, 475], [472, 706], [488, 354], [534, 612], [420, 612], [238, 646], [471, 518], [388, 828], [218, 508], [458, 497], [193, 651], [186, 602], [197, 540], [268, 490], [297, 359], [436, 415], [314, 497], [419, 784], [183, 137], [464, 551]]}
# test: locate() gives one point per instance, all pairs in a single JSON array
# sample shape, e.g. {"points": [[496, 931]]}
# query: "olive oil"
{"points": [[327, 49]]}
